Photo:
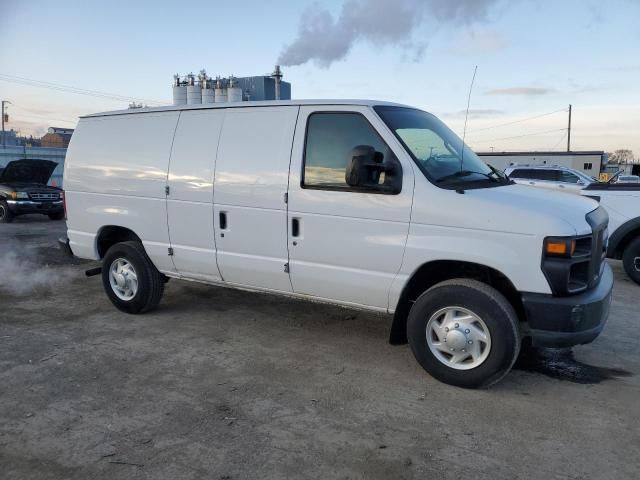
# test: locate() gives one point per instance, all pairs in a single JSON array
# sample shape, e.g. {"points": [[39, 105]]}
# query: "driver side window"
{"points": [[568, 177], [331, 141]]}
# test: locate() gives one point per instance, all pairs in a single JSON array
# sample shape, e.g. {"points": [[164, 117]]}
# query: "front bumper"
{"points": [[18, 207], [567, 321]]}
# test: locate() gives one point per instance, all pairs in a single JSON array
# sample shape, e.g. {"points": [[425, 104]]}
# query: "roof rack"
{"points": [[537, 165]]}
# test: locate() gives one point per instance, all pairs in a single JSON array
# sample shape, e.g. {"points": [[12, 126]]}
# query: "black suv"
{"points": [[24, 189]]}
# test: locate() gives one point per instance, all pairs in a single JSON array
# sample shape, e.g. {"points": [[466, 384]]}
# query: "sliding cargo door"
{"points": [[249, 196], [190, 193]]}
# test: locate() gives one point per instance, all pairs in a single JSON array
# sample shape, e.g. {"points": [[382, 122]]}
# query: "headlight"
{"points": [[559, 247], [22, 195], [565, 263]]}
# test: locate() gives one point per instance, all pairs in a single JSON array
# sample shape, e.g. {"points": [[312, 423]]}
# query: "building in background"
{"points": [[8, 138], [263, 88], [57, 137], [202, 89], [589, 162], [627, 168]]}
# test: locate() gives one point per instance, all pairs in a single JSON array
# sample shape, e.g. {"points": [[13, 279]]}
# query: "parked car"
{"points": [[620, 199], [622, 202], [549, 176], [628, 179], [360, 203], [23, 189]]}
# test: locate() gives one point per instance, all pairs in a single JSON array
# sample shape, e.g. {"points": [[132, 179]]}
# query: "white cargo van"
{"points": [[360, 203]]}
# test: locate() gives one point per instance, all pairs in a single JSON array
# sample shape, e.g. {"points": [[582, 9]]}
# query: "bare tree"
{"points": [[622, 156]]}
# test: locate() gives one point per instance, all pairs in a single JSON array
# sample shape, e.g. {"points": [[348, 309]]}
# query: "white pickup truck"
{"points": [[621, 200], [355, 202]]}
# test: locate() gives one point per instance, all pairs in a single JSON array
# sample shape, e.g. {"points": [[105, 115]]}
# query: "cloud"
{"points": [[478, 42], [26, 127], [476, 113], [576, 87], [325, 39], [482, 112], [521, 91], [631, 68]]}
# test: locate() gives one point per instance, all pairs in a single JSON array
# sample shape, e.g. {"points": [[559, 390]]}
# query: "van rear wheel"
{"points": [[130, 279], [464, 333], [631, 260]]}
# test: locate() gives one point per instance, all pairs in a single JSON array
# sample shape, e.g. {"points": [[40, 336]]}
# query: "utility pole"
{"points": [[569, 131], [4, 116]]}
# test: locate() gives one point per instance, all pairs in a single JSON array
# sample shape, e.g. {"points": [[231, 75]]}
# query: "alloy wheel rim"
{"points": [[636, 263], [2, 211], [458, 338], [123, 279]]}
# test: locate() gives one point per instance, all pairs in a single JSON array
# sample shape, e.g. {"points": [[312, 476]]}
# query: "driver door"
{"points": [[345, 244]]}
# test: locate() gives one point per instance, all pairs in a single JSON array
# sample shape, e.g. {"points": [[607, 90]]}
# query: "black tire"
{"points": [[56, 216], [631, 260], [150, 280], [489, 305], [5, 214]]}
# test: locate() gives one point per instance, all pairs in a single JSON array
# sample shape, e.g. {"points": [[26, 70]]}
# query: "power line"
{"points": [[517, 121], [520, 136], [30, 114], [40, 117], [70, 89], [558, 142]]}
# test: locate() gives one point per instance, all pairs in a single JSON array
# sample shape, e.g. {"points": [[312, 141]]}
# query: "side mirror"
{"points": [[581, 182], [369, 170]]}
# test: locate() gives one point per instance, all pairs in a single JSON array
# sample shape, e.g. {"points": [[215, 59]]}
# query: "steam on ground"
{"points": [[24, 271]]}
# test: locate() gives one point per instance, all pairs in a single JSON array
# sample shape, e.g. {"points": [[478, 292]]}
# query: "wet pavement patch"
{"points": [[54, 256], [560, 363], [23, 237]]}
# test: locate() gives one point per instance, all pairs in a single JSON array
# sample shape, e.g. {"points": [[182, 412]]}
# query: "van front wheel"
{"points": [[130, 279], [464, 333]]}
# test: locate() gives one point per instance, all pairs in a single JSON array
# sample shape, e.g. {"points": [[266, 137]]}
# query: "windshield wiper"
{"points": [[493, 176]]}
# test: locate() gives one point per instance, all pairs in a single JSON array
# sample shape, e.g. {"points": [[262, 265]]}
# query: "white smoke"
{"points": [[323, 39], [22, 274]]}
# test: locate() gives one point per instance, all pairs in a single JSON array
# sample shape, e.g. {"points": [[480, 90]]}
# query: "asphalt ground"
{"points": [[227, 384]]}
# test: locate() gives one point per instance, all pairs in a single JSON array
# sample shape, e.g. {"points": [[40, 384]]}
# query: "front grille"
{"points": [[582, 269], [599, 221], [41, 196]]}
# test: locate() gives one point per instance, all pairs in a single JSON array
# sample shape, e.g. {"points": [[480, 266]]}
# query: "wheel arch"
{"points": [[623, 235], [431, 273], [109, 235]]}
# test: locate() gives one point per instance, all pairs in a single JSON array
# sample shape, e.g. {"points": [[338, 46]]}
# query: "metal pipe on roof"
{"points": [[277, 74]]}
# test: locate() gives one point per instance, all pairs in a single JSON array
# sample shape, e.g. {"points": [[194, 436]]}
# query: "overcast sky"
{"points": [[533, 57]]}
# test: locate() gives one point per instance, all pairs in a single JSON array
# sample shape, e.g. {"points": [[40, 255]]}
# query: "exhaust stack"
{"points": [[277, 75]]}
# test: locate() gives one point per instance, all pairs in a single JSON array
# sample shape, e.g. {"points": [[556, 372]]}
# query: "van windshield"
{"points": [[438, 152]]}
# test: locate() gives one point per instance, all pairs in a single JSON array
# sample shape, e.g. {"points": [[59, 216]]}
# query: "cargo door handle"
{"points": [[295, 227], [223, 220]]}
